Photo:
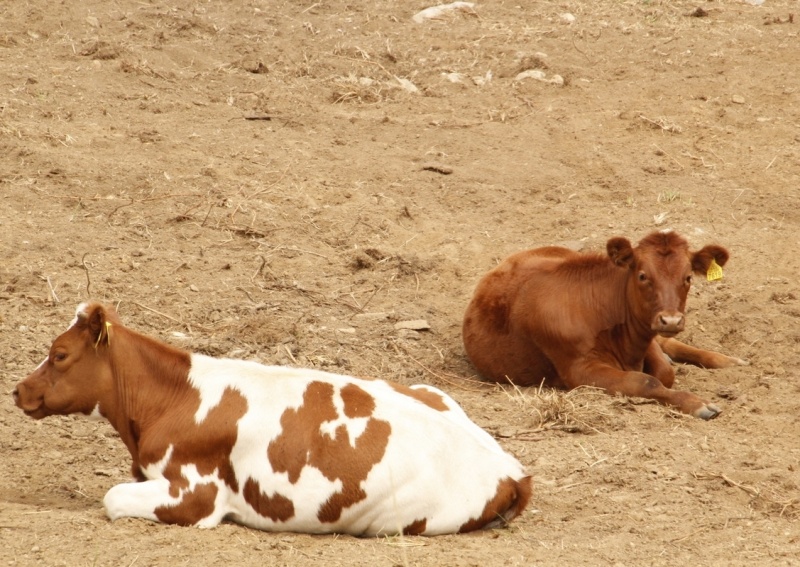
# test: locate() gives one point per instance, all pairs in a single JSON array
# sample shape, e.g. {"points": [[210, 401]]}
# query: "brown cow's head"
{"points": [[660, 269], [76, 375]]}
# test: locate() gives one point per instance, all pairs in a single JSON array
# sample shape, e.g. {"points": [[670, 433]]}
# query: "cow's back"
{"points": [[513, 309]]}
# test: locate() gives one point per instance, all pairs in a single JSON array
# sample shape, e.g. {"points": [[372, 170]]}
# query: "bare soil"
{"points": [[286, 181]]}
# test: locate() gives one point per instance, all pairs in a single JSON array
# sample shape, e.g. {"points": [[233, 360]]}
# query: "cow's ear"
{"points": [[98, 323], [620, 251], [701, 260]]}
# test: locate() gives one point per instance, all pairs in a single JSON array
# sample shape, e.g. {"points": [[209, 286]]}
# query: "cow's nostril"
{"points": [[673, 321]]}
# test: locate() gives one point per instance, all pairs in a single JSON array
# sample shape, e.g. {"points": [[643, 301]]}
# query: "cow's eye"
{"points": [[59, 357], [642, 277], [689, 279]]}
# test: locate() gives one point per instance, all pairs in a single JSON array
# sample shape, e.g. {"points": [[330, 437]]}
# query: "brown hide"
{"points": [[554, 316]]}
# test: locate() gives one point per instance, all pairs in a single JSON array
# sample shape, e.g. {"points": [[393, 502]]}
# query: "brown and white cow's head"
{"points": [[660, 276], [76, 375]]}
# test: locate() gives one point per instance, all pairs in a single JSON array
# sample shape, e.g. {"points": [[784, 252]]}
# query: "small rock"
{"points": [[415, 325], [438, 12], [408, 334], [737, 99], [454, 77], [540, 75], [193, 288], [531, 74], [567, 18], [506, 432]]}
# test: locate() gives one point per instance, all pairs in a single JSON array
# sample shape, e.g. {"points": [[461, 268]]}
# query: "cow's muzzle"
{"points": [[669, 324], [32, 407]]}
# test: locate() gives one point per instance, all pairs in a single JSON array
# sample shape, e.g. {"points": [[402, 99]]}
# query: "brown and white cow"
{"points": [[554, 316], [274, 448]]}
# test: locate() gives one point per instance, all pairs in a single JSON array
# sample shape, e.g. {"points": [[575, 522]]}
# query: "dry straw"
{"points": [[582, 410]]}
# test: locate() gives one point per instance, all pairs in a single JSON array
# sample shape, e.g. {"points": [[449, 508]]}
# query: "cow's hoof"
{"points": [[729, 362], [708, 411]]}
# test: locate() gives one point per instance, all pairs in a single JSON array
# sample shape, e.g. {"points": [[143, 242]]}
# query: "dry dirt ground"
{"points": [[285, 181]]}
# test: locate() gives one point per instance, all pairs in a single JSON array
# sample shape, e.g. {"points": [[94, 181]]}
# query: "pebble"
{"points": [[437, 12], [454, 77], [737, 99], [540, 75], [408, 334]]}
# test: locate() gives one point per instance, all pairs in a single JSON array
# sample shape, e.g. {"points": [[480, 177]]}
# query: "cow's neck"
{"points": [[625, 333], [637, 339], [148, 377], [636, 328]]}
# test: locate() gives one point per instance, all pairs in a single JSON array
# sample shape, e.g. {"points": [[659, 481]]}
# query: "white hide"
{"points": [[138, 499], [438, 466], [80, 311]]}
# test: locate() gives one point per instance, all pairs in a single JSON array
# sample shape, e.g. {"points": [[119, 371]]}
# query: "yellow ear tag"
{"points": [[714, 271], [108, 336]]}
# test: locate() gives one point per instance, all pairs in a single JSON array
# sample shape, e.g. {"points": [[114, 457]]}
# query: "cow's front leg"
{"points": [[151, 500], [639, 385], [681, 352], [657, 364]]}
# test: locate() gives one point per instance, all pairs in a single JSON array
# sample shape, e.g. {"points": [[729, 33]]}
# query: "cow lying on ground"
{"points": [[274, 448], [569, 319]]}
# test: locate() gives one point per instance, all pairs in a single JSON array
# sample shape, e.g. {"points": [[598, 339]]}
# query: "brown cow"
{"points": [[554, 316], [274, 448]]}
